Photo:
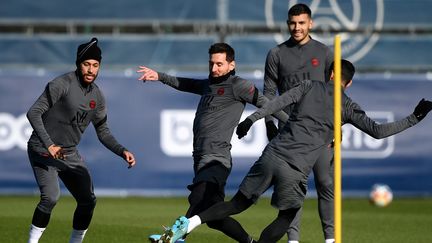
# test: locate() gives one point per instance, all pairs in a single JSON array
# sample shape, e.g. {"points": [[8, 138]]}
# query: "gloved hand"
{"points": [[422, 109], [272, 130], [243, 127]]}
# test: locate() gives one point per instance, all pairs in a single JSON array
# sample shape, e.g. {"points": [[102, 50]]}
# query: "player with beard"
{"points": [[223, 99], [288, 159], [297, 59], [59, 117]]}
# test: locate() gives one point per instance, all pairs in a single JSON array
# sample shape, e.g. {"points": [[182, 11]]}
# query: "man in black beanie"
{"points": [[59, 117], [88, 51]]}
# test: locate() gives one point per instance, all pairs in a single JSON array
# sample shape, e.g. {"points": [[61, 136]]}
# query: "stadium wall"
{"points": [[155, 122]]}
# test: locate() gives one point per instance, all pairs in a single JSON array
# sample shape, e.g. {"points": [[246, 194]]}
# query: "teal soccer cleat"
{"points": [[177, 231]]}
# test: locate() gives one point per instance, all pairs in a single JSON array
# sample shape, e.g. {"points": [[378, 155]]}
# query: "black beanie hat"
{"points": [[89, 50]]}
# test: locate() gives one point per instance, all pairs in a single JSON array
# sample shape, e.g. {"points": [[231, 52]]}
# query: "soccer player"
{"points": [[223, 99], [289, 158], [59, 117], [297, 59]]}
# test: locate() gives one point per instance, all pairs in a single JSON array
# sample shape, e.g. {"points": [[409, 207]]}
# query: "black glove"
{"points": [[243, 127], [422, 109], [272, 130]]}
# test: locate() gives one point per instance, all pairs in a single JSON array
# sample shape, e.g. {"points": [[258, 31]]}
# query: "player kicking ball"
{"points": [[288, 159]]}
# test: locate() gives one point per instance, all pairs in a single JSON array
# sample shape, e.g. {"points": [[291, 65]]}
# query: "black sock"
{"points": [[276, 229], [40, 219], [221, 210], [82, 216], [231, 228]]}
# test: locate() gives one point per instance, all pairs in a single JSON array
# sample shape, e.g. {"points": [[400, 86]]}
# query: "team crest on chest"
{"points": [[221, 91], [315, 62], [92, 104]]}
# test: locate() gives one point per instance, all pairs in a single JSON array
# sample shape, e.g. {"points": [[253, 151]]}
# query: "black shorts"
{"points": [[290, 185], [214, 172]]}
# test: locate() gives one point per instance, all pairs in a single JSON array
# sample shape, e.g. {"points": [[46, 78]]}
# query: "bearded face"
{"points": [[89, 70]]}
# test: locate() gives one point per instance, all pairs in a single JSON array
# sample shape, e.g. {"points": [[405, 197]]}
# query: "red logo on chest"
{"points": [[315, 62], [221, 91], [92, 104]]}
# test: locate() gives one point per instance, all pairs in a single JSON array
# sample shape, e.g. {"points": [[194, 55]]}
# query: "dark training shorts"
{"points": [[214, 172], [290, 185]]}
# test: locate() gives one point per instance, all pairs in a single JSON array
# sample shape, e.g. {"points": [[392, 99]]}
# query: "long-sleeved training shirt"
{"points": [[289, 63], [311, 125], [218, 113], [64, 110]]}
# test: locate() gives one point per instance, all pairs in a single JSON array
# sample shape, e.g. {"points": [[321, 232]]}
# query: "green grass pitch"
{"points": [[132, 219]]}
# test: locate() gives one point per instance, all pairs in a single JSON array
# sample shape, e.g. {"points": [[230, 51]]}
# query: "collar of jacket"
{"points": [[216, 80]]}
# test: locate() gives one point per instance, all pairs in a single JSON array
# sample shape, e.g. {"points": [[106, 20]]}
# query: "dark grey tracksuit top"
{"points": [[310, 128], [218, 113], [289, 63], [64, 110]]}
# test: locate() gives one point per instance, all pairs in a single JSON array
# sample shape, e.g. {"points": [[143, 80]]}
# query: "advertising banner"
{"points": [[154, 121]]}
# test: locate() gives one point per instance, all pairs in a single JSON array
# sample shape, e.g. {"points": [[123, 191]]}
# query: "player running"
{"points": [[59, 117]]}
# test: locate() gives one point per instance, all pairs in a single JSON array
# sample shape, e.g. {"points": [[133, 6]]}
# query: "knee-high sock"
{"points": [[231, 228], [82, 216], [275, 230], [219, 211], [40, 219]]}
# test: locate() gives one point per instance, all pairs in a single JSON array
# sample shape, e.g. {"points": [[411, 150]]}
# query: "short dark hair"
{"points": [[223, 48], [299, 8], [347, 69]]}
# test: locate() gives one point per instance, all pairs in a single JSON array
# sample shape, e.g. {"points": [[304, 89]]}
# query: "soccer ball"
{"points": [[380, 195]]}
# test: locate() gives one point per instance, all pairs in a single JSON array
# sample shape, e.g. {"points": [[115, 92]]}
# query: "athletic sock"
{"points": [[293, 241], [77, 236], [329, 240], [35, 234], [194, 222]]}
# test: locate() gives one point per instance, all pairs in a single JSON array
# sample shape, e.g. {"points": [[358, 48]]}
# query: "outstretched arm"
{"points": [[354, 115], [183, 84], [277, 104], [246, 91], [280, 102]]}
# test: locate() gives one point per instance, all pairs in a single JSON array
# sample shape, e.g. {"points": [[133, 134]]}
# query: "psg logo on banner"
{"points": [[357, 22]]}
